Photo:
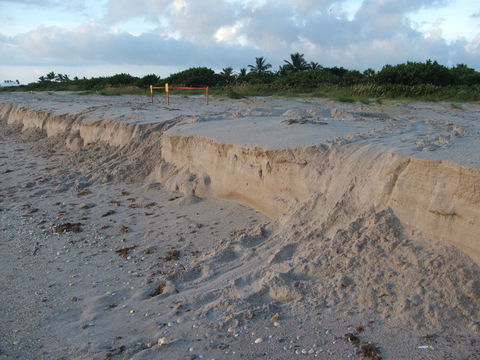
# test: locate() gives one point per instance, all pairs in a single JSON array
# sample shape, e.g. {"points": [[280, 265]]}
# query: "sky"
{"points": [[105, 37]]}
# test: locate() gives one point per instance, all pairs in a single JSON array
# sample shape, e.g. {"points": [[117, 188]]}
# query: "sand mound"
{"points": [[368, 267]]}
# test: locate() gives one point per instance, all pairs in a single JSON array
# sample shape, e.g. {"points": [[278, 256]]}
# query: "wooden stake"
{"points": [[167, 90]]}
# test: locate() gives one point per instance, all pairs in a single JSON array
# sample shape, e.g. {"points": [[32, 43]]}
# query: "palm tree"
{"points": [[314, 66], [227, 72], [59, 78], [51, 76], [369, 72], [242, 76], [261, 67], [298, 63]]}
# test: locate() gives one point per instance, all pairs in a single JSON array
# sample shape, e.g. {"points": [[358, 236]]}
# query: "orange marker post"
{"points": [[167, 91]]}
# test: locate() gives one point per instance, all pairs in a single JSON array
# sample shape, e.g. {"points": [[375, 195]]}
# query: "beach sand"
{"points": [[255, 228]]}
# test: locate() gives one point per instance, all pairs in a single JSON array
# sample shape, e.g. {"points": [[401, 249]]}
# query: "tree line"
{"points": [[295, 73], [11, 82]]}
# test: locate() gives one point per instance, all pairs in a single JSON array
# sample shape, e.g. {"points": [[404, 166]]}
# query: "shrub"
{"points": [[199, 76], [148, 80]]}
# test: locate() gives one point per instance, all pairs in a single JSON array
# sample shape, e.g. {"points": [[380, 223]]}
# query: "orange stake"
{"points": [[167, 91]]}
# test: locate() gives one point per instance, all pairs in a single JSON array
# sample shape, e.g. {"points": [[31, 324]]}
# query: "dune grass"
{"points": [[456, 106], [361, 93]]}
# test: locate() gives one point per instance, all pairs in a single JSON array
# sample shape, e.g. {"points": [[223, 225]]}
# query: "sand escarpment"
{"points": [[104, 150], [75, 127], [440, 200], [357, 228]]}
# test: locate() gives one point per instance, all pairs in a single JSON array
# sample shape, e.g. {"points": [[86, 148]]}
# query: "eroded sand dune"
{"points": [[439, 198], [365, 221]]}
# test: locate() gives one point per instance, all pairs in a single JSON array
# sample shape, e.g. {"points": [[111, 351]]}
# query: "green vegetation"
{"points": [[297, 77], [200, 76], [232, 94]]}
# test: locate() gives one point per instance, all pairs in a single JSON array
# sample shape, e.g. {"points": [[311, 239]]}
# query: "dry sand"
{"points": [[369, 231]]}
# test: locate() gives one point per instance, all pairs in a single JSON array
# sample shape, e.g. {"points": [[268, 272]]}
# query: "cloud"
{"points": [[230, 34], [474, 46], [121, 10], [306, 6], [92, 43], [272, 26], [67, 4], [219, 33], [200, 20], [193, 19]]}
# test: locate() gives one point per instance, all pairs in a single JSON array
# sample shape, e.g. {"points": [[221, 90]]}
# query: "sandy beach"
{"points": [[254, 228]]}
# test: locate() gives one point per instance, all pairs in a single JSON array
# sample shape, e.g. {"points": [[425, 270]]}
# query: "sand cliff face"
{"points": [[266, 180], [441, 200]]}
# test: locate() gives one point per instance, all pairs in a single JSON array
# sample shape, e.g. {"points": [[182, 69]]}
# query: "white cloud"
{"points": [[68, 4], [200, 20], [122, 10], [271, 27], [219, 33], [230, 34], [434, 31], [179, 5], [310, 5], [474, 46], [93, 43]]}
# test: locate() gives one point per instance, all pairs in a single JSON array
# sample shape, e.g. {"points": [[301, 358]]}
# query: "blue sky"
{"points": [[103, 37]]}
